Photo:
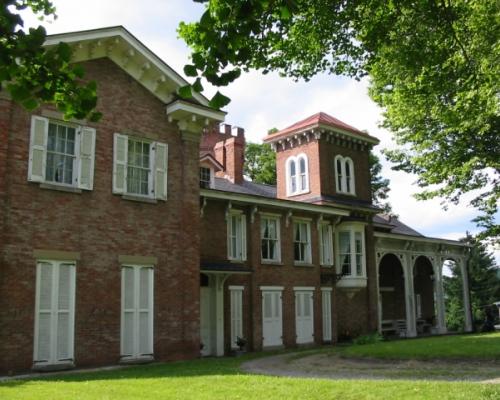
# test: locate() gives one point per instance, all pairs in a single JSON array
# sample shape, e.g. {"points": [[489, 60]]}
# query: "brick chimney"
{"points": [[227, 145]]}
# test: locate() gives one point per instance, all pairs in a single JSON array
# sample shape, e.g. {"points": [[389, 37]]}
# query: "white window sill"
{"points": [[271, 262], [61, 366], [347, 194], [298, 193], [140, 199], [302, 264], [348, 282], [60, 188], [138, 360], [236, 260]]}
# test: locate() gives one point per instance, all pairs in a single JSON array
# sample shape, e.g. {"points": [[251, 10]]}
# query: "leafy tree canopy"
{"points": [[260, 163], [33, 74], [379, 184], [433, 68]]}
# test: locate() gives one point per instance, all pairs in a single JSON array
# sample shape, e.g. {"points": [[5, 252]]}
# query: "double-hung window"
{"points": [[61, 153], [326, 244], [236, 236], [140, 167], [351, 251], [270, 238], [344, 175], [302, 242], [206, 177]]}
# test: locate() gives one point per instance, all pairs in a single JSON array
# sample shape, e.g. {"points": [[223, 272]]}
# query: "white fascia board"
{"points": [[420, 239], [183, 107], [120, 31], [286, 204]]}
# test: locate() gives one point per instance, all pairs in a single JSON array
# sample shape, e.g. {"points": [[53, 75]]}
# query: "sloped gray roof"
{"points": [[394, 225], [256, 189]]}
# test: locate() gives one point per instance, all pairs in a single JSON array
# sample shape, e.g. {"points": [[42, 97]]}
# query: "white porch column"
{"points": [[438, 290], [411, 324], [466, 295]]}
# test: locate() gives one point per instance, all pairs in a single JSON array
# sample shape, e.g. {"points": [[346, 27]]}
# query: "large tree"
{"points": [[484, 285], [33, 74], [433, 67]]}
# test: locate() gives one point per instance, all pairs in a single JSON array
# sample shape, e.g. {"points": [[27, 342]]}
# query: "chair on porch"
{"points": [[401, 327]]}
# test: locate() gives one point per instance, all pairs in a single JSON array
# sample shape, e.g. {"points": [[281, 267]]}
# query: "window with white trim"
{"points": [[137, 312], [325, 244], [236, 301], [351, 253], [55, 312], [297, 174], [140, 167], [344, 175], [270, 238], [61, 153], [206, 177], [236, 236], [302, 242]]}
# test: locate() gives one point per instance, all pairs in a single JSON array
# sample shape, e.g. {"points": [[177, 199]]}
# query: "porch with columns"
{"points": [[416, 265]]}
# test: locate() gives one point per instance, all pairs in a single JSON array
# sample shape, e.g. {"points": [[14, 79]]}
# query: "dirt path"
{"points": [[332, 366]]}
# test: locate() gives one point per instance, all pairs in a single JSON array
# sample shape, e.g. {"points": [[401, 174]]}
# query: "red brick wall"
{"points": [[321, 155], [100, 226]]}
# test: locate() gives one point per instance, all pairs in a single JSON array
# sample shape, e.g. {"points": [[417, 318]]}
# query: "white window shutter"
{"points": [[38, 148], [230, 254], [87, 158], [243, 237], [44, 312], [145, 311], [120, 163], [65, 312], [161, 170], [128, 311]]}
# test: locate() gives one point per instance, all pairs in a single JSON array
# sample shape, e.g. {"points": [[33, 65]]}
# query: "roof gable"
{"points": [[124, 49]]}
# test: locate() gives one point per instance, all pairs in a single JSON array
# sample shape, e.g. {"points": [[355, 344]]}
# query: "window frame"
{"points": [[240, 237], [298, 176], [136, 269], [277, 220], [342, 186], [210, 182], [151, 156], [352, 230], [55, 264], [236, 314], [308, 249]]}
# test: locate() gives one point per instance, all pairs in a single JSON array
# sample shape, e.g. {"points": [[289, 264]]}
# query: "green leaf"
{"points": [[185, 92], [190, 70], [197, 86], [219, 100], [30, 104]]}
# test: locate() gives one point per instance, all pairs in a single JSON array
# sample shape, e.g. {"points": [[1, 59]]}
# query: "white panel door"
{"points": [[205, 321], [272, 321], [304, 317]]}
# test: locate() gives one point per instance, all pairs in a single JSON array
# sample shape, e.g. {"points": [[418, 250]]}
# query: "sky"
{"points": [[260, 102]]}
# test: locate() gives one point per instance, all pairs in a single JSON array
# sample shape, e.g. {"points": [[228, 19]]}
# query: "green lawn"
{"points": [[222, 379], [479, 346]]}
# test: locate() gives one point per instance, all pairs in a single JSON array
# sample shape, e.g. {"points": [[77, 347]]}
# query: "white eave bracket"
{"points": [[191, 116]]}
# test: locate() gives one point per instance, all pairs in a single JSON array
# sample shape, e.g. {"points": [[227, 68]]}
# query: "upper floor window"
{"points": [[206, 178], [140, 167], [297, 175], [302, 242], [270, 238], [351, 245], [61, 153], [236, 236], [326, 245], [344, 175]]}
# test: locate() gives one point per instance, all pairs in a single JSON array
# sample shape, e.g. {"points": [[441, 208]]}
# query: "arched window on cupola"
{"points": [[297, 175], [344, 175]]}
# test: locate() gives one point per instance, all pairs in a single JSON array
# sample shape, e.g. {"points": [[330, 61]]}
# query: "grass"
{"points": [[459, 347], [223, 379]]}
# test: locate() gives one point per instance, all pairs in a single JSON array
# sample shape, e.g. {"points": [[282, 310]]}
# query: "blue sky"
{"points": [[260, 102]]}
